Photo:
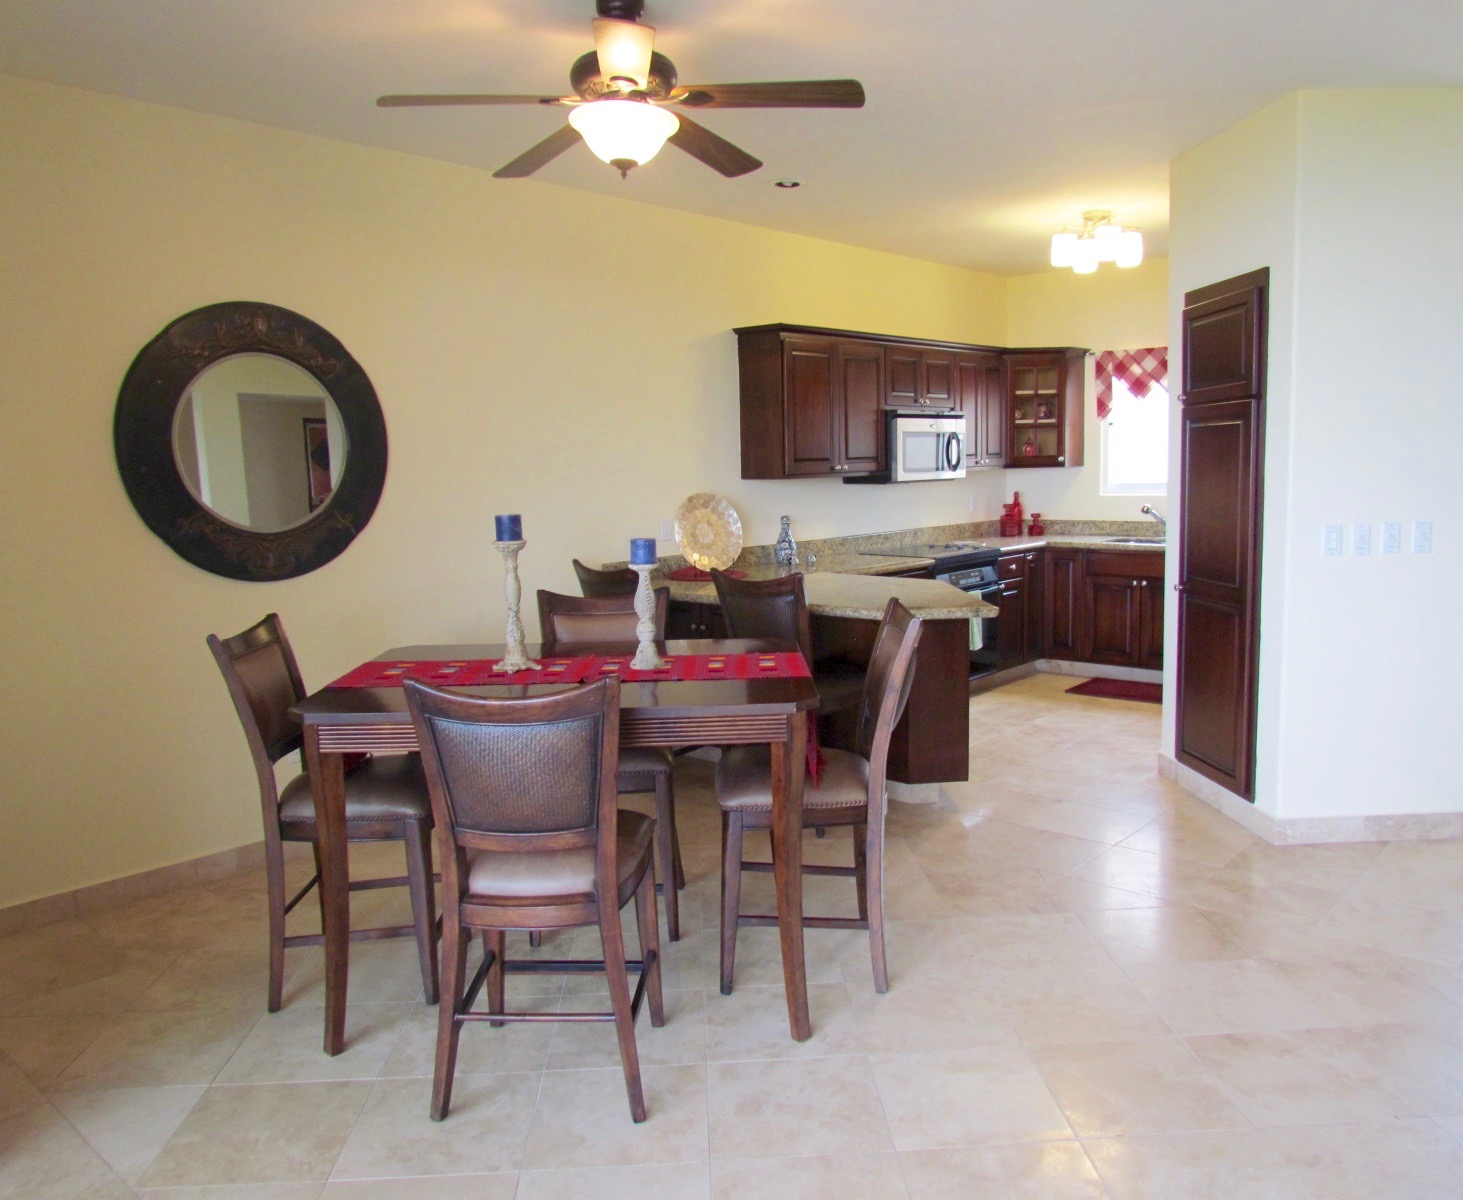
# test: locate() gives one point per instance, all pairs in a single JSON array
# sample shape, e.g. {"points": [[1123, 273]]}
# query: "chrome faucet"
{"points": [[1149, 510]]}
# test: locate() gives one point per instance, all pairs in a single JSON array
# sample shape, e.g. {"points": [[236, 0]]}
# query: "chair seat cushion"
{"points": [[640, 767], [386, 787], [560, 874], [744, 780]]}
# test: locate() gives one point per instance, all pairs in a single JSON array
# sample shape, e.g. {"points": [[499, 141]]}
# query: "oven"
{"points": [[979, 579]]}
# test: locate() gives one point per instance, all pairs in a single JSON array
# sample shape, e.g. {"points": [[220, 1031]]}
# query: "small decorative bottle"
{"points": [[786, 550]]}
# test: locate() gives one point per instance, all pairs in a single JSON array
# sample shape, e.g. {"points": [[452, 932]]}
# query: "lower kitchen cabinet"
{"points": [[1123, 594], [1104, 606], [1019, 627], [1062, 604], [687, 620]]}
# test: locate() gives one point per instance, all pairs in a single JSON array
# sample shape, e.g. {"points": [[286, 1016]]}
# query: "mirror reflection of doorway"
{"points": [[238, 442]]}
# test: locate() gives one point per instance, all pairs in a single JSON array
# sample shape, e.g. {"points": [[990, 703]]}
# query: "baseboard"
{"points": [[97, 897], [1306, 831], [1061, 666]]}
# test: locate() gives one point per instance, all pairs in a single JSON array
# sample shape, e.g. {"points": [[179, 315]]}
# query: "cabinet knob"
{"points": [[1178, 587], [1061, 458], [1031, 558]]}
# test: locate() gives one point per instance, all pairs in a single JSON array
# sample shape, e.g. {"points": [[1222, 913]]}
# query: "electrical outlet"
{"points": [[1422, 537], [1391, 537], [1331, 540], [974, 506], [667, 530], [1361, 538]]}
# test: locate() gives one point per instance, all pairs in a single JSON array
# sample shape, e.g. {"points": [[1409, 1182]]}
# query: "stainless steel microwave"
{"points": [[926, 446]]}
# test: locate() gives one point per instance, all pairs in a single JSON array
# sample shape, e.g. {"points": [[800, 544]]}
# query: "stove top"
{"points": [[944, 553]]}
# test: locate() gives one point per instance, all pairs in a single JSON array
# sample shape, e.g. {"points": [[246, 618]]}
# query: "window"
{"points": [[1135, 443]]}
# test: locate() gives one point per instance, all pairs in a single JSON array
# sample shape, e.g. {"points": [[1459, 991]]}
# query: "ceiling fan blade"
{"points": [[536, 156], [808, 93], [712, 149], [430, 101]]}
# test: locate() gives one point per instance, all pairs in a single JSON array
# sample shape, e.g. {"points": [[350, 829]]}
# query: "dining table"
{"points": [[345, 719]]}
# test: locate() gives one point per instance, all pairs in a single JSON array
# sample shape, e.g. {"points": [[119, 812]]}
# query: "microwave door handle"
{"points": [[952, 452]]}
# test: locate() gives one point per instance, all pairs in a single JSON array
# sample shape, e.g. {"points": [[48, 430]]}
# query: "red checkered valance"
{"points": [[1139, 370]]}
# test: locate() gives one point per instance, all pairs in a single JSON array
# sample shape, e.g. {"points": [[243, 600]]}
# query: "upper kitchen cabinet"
{"points": [[811, 405], [980, 395], [918, 377], [1044, 404]]}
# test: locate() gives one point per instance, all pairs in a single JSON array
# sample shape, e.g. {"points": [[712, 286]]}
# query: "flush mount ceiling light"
{"points": [[1099, 241]]}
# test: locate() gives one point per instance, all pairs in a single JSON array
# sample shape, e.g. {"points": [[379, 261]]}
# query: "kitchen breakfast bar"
{"points": [[931, 742]]}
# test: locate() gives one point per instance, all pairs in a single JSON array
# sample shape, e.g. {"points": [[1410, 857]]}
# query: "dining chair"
{"points": [[523, 791], [568, 622], [385, 800], [777, 608], [621, 581], [850, 792]]}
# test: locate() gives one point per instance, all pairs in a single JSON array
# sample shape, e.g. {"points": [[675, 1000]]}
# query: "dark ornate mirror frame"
{"points": [[143, 433]]}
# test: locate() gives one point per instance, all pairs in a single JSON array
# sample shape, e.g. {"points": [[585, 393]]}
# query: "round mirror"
{"points": [[258, 442], [250, 441]]}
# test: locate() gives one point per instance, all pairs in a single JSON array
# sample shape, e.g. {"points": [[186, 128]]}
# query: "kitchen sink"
{"points": [[1137, 541]]}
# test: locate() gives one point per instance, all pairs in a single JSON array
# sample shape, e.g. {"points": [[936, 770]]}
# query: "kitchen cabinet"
{"points": [[1019, 627], [980, 395], [1062, 603], [815, 402], [686, 619], [919, 378], [1044, 408], [1123, 596], [811, 405]]}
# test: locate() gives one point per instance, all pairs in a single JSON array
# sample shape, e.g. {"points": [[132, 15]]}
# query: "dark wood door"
{"points": [[937, 379], [1114, 619], [979, 396], [1014, 603], [1062, 603], [809, 371], [1221, 484], [859, 407], [901, 369]]}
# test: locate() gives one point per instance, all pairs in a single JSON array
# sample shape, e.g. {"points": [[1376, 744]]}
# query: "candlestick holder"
{"points": [[647, 658], [514, 658]]}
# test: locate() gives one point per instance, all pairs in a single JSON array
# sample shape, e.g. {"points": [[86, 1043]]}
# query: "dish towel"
{"points": [[977, 637]]}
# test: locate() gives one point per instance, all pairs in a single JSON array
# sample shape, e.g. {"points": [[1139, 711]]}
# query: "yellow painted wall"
{"points": [[1112, 309], [535, 350]]}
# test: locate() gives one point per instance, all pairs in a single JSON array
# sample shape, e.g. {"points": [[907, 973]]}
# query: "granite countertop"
{"points": [[860, 596]]}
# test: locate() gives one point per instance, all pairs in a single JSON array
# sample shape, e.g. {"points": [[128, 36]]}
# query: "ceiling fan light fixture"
{"points": [[623, 133], [624, 49]]}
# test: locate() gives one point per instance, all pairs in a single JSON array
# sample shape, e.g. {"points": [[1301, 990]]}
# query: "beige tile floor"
{"points": [[1100, 989]]}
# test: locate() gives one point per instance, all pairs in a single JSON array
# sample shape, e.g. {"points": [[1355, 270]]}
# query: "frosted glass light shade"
{"points": [[623, 131], [1064, 245], [1130, 249], [624, 50], [1085, 256]]}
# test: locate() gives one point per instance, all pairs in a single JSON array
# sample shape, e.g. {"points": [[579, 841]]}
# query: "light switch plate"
{"points": [[667, 531], [1331, 540], [1361, 538], [1422, 537], [1391, 537]]}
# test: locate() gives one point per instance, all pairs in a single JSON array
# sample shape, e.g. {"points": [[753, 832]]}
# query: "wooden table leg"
{"points": [[327, 786], [787, 856]]}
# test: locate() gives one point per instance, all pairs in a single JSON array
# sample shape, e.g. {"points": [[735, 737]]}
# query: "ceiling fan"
{"points": [[621, 92]]}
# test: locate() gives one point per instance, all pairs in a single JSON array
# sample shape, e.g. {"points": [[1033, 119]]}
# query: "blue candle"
{"points": [[508, 527], [642, 551]]}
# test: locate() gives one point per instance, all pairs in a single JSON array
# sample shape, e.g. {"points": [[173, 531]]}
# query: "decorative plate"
{"points": [[708, 531]]}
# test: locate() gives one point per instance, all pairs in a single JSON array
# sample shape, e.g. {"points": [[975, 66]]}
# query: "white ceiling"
{"points": [[986, 126]]}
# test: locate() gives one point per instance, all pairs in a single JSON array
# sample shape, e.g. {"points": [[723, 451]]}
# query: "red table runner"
{"points": [[583, 668]]}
